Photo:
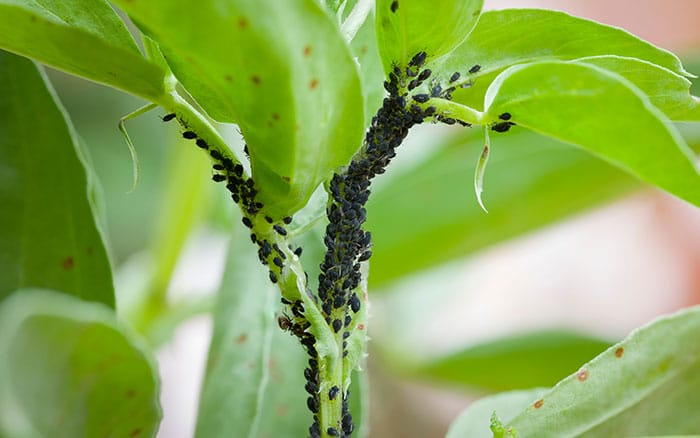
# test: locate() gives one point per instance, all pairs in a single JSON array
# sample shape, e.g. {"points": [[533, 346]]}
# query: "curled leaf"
{"points": [[481, 169]]}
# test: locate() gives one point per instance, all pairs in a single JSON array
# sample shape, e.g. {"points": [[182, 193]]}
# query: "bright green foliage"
{"points": [[519, 361], [427, 214], [646, 384], [82, 37], [474, 421], [364, 47], [406, 27], [280, 70], [254, 380], [601, 112], [513, 36], [666, 90], [70, 369], [48, 236]]}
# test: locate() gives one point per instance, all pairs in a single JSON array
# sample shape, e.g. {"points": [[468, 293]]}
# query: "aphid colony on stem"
{"points": [[347, 244]]}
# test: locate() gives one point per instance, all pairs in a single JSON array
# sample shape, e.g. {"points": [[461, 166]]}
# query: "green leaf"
{"points": [[514, 36], [666, 90], [427, 214], [601, 112], [70, 369], [82, 37], [364, 48], [254, 383], [288, 81], [406, 27], [647, 384], [48, 235], [515, 362], [474, 421]]}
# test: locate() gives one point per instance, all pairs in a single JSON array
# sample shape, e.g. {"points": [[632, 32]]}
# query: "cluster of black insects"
{"points": [[347, 244]]}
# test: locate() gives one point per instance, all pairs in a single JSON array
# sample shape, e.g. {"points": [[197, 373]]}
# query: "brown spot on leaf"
{"points": [[307, 50], [136, 432], [313, 84], [582, 375], [90, 250], [228, 78], [241, 338], [275, 116], [538, 404], [130, 393], [282, 410], [243, 23], [255, 79], [286, 179], [360, 326], [68, 263], [619, 352], [363, 50]]}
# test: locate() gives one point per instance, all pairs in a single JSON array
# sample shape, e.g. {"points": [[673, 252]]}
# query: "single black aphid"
{"points": [[215, 154], [312, 404], [502, 126], [394, 6], [421, 98], [332, 431], [365, 256], [337, 325], [202, 144], [436, 91], [354, 303], [168, 117], [278, 261], [419, 58], [218, 177], [333, 392], [298, 251], [348, 320], [425, 74], [218, 167], [254, 238], [280, 229], [346, 335], [448, 120], [475, 69], [454, 76], [268, 219], [287, 220], [273, 278], [189, 135], [410, 72], [505, 116], [246, 221]]}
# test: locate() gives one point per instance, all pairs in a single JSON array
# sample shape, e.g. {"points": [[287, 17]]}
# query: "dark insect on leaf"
{"points": [[189, 135], [168, 117], [421, 98], [502, 126], [394, 6], [454, 76], [505, 116], [475, 69], [418, 59], [218, 177], [202, 144]]}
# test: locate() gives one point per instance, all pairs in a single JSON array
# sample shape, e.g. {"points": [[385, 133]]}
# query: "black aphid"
{"points": [[425, 74], [502, 126], [287, 220], [254, 238], [246, 221], [394, 6], [418, 59], [284, 322], [298, 251], [268, 219], [312, 404], [333, 392], [505, 116], [354, 303], [280, 229], [332, 431], [202, 144], [337, 325], [218, 177], [421, 98], [215, 154], [273, 278], [475, 69], [189, 135], [454, 76], [278, 261], [168, 117], [218, 167]]}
